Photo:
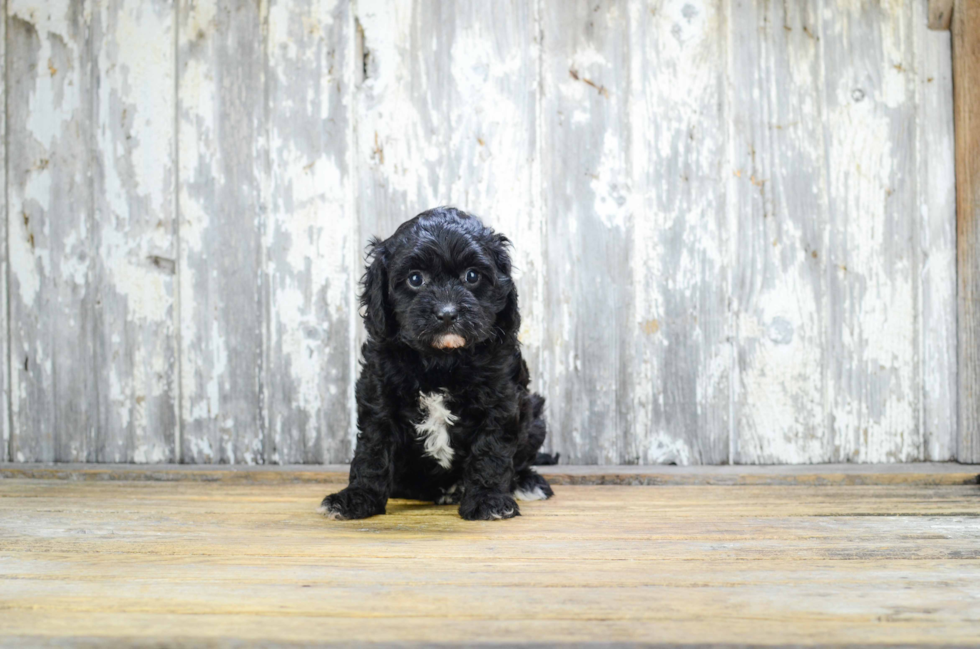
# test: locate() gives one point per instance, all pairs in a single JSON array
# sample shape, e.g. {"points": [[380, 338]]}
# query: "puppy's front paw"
{"points": [[350, 504], [488, 506]]}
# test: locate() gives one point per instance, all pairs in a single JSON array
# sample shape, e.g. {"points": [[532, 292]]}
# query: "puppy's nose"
{"points": [[447, 313]]}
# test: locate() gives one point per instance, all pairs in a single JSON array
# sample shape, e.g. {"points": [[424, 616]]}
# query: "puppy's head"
{"points": [[440, 283]]}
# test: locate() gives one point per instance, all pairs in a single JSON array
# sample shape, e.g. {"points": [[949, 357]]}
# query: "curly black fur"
{"points": [[455, 340]]}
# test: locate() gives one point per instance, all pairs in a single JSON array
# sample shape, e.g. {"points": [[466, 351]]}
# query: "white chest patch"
{"points": [[434, 427]]}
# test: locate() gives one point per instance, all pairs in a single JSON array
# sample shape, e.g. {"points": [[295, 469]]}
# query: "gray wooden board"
{"points": [[779, 289], [871, 251], [4, 256], [680, 332], [585, 148], [733, 220], [53, 294], [935, 213], [222, 137], [311, 267], [133, 230], [92, 187]]}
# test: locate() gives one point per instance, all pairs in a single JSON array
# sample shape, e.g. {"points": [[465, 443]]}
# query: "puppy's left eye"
{"points": [[472, 277]]}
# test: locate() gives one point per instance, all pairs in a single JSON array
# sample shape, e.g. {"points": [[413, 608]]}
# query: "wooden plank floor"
{"points": [[912, 473], [234, 564]]}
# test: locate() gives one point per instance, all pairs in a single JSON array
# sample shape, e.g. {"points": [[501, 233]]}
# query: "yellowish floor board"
{"points": [[234, 563]]}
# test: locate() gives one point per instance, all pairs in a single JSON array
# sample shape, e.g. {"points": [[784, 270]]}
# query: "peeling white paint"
{"points": [[679, 262], [737, 255], [23, 263], [609, 184], [937, 231], [310, 230]]}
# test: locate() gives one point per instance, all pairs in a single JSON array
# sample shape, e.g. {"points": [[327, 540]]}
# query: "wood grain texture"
{"points": [[871, 255], [966, 99], [913, 473], [311, 235], [585, 151], [940, 14], [935, 215], [232, 564], [4, 254], [92, 187], [222, 140], [132, 152], [448, 91], [53, 292], [777, 176], [733, 220], [678, 348]]}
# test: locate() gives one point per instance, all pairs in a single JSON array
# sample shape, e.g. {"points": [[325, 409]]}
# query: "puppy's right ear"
{"points": [[378, 317]]}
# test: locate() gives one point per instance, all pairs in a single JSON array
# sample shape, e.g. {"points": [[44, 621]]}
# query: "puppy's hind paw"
{"points": [[488, 507], [527, 495], [531, 486], [451, 496]]}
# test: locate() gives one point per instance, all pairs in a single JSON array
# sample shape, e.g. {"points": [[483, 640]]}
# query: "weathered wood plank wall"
{"points": [[734, 219], [5, 261], [90, 185]]}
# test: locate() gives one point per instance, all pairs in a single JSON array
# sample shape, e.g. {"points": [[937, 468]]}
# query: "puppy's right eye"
{"points": [[415, 279]]}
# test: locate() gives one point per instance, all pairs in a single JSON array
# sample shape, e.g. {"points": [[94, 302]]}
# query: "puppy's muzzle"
{"points": [[448, 341], [448, 314]]}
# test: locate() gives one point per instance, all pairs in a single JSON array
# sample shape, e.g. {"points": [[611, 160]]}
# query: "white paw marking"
{"points": [[534, 494], [434, 427], [331, 514]]}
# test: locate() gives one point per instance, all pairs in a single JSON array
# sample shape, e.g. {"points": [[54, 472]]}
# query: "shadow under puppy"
{"points": [[444, 413]]}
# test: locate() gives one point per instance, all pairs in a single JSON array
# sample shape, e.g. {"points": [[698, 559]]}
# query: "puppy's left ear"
{"points": [[508, 318], [378, 317]]}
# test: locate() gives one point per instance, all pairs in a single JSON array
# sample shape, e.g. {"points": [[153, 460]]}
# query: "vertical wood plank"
{"points": [[679, 354], [4, 251], [777, 181], [966, 116], [54, 397], [872, 248], [584, 148], [311, 271], [447, 114], [132, 231], [221, 108], [935, 214]]}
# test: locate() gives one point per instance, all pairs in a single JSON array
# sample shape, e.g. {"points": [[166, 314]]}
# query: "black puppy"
{"points": [[443, 408]]}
